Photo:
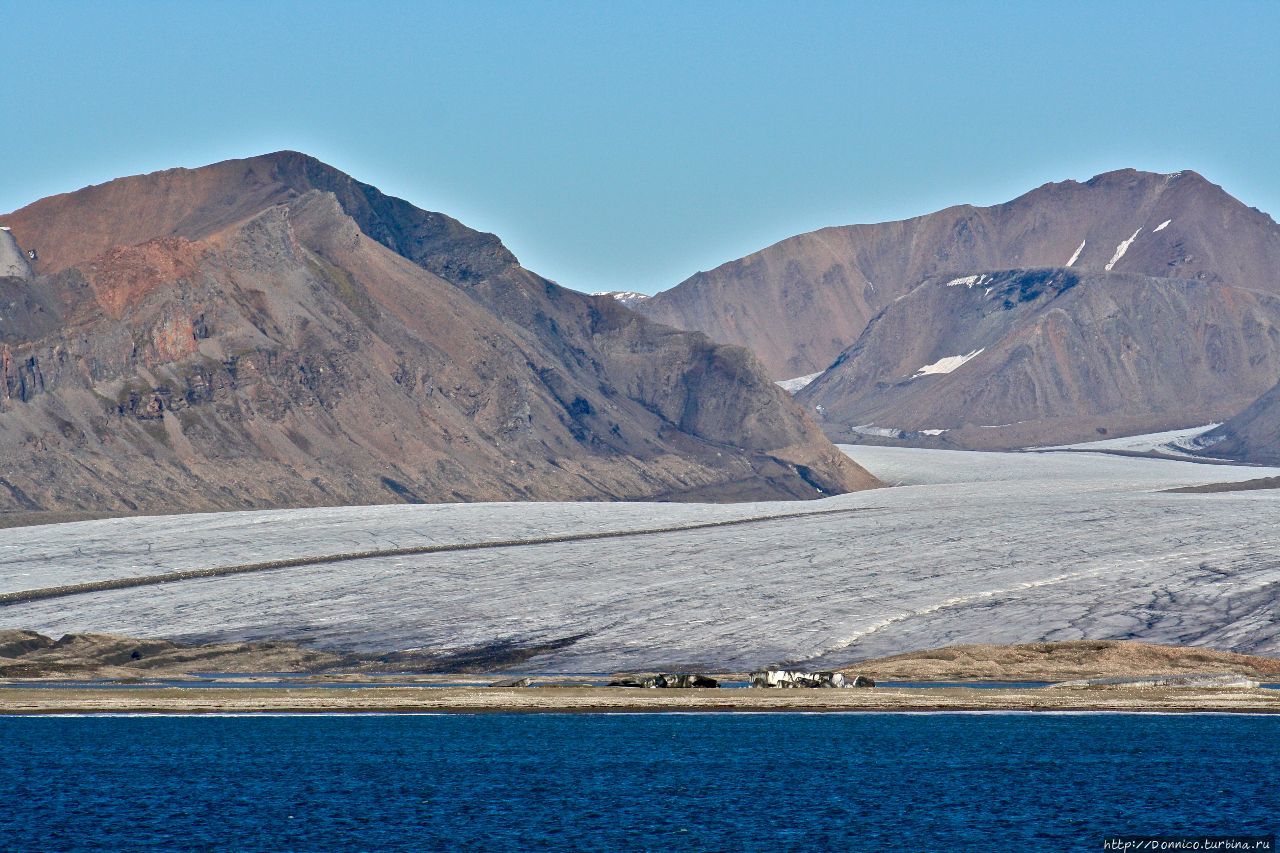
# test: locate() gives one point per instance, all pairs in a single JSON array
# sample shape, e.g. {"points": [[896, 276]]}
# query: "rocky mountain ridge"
{"points": [[1028, 357], [271, 332], [1133, 302], [799, 303]]}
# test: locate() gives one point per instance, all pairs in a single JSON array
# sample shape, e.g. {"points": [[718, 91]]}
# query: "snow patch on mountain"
{"points": [[879, 432], [13, 261], [796, 383], [894, 432], [1075, 257], [626, 297], [1121, 249], [967, 281], [1161, 226], [947, 365]]}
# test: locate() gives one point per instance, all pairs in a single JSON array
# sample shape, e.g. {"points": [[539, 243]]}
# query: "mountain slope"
{"points": [[270, 332], [1029, 357], [1253, 435], [799, 303]]}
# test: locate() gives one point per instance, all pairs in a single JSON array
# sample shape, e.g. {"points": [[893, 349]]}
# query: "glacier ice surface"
{"points": [[970, 547]]}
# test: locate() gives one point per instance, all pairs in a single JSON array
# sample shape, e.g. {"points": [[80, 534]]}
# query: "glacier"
{"points": [[966, 547]]}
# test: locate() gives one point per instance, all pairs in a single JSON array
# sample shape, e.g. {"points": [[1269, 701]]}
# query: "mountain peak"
{"points": [[73, 227], [270, 331], [800, 302]]}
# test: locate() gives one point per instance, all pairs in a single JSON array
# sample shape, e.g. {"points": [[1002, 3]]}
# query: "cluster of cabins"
{"points": [[782, 678]]}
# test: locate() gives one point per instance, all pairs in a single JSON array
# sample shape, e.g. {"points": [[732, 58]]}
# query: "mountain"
{"points": [[271, 332], [799, 303], [1252, 435], [1027, 357]]}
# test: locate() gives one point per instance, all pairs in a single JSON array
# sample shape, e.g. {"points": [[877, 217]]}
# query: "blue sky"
{"points": [[629, 145]]}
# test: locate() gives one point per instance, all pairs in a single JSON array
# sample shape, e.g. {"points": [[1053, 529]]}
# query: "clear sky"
{"points": [[628, 145]]}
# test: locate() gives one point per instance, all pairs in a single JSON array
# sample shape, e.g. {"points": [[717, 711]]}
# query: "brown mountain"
{"points": [[801, 302], [1027, 357], [271, 332]]}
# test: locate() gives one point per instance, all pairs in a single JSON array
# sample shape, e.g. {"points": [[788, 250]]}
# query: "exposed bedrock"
{"points": [[270, 332], [800, 302]]}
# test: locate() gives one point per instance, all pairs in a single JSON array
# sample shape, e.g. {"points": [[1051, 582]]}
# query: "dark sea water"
{"points": [[633, 782]]}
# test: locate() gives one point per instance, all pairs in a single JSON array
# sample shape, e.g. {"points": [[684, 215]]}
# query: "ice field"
{"points": [[968, 547]]}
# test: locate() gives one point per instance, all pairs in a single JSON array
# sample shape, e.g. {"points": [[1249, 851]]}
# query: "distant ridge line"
{"points": [[45, 593]]}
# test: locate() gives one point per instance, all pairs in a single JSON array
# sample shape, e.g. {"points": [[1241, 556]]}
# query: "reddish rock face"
{"points": [[270, 332], [122, 277], [801, 302]]}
